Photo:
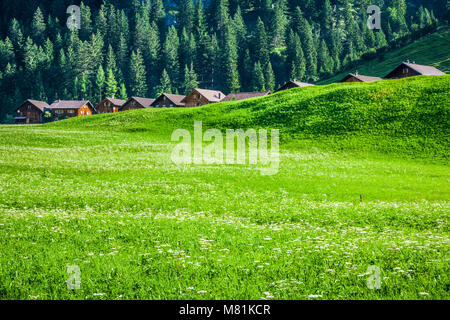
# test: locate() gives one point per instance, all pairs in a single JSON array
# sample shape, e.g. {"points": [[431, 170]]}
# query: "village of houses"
{"points": [[33, 112]]}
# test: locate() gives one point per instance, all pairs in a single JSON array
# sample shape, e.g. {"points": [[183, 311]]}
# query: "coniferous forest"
{"points": [[146, 47]]}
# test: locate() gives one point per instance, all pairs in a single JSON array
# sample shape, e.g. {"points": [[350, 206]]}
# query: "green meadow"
{"points": [[363, 182]]}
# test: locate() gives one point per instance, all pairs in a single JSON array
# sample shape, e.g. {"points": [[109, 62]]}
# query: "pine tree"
{"points": [[325, 61], [309, 49], [138, 75], [86, 22], [111, 84], [123, 92], [260, 43], [100, 83], [170, 54], [259, 82], [326, 15], [270, 78], [295, 57], [229, 65], [38, 26], [279, 23], [165, 85], [190, 79]]}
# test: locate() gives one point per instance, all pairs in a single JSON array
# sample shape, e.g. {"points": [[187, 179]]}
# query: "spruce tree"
{"points": [[165, 85], [138, 75], [259, 82], [100, 83], [38, 26], [111, 84], [270, 78]]}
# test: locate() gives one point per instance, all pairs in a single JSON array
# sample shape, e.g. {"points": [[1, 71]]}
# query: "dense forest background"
{"points": [[146, 47]]}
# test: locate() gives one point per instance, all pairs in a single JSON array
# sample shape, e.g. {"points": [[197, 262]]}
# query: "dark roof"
{"points": [[210, 95], [38, 104], [361, 77], [295, 84], [69, 104], [421, 69], [176, 99], [144, 102], [116, 102], [245, 95]]}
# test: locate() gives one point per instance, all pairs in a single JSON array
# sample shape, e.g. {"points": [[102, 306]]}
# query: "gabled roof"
{"points": [[421, 69], [116, 102], [361, 77], [144, 102], [41, 105], [176, 99], [245, 95], [295, 83], [70, 104], [210, 95]]}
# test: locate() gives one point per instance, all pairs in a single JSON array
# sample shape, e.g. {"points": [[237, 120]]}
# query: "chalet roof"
{"points": [[361, 77], [145, 102], [210, 95], [421, 69], [245, 95], [41, 105], [116, 102], [69, 104], [176, 99], [295, 84]]}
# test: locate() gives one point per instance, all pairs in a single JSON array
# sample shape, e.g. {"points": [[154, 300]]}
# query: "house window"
{"points": [[18, 111], [171, 105], [164, 105], [59, 111], [70, 111], [133, 103], [82, 112], [108, 104], [29, 107]]}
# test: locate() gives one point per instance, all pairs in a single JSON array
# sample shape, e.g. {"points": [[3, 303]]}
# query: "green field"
{"points": [[363, 181], [430, 50]]}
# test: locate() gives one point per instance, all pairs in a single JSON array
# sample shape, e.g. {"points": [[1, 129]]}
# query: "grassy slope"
{"points": [[101, 193], [430, 50], [408, 116]]}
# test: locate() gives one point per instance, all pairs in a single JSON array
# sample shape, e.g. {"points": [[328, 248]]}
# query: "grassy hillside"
{"points": [[408, 116], [430, 50], [102, 194]]}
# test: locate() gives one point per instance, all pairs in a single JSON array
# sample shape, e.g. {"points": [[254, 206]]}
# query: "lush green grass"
{"points": [[430, 50], [102, 193]]}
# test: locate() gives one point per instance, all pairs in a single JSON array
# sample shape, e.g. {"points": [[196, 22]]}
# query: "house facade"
{"points": [[31, 111], [169, 101], [62, 109], [110, 105], [137, 103], [201, 97], [407, 69]]}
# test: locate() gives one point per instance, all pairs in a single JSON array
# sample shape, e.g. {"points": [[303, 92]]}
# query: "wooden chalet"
{"points": [[201, 97], [31, 111], [137, 103], [110, 105], [294, 84], [245, 95], [407, 69], [169, 101], [71, 108], [356, 77]]}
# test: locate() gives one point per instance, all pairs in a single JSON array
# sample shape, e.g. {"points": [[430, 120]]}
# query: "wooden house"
{"points": [[169, 101], [201, 97], [62, 109], [294, 84], [356, 77], [137, 103], [110, 105], [31, 111], [245, 95], [407, 69]]}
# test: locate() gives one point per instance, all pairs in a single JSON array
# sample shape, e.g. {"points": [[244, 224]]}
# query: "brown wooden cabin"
{"points": [[407, 69], [169, 101], [356, 77], [245, 95], [110, 105], [31, 111], [137, 103], [201, 97], [71, 108], [294, 84]]}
